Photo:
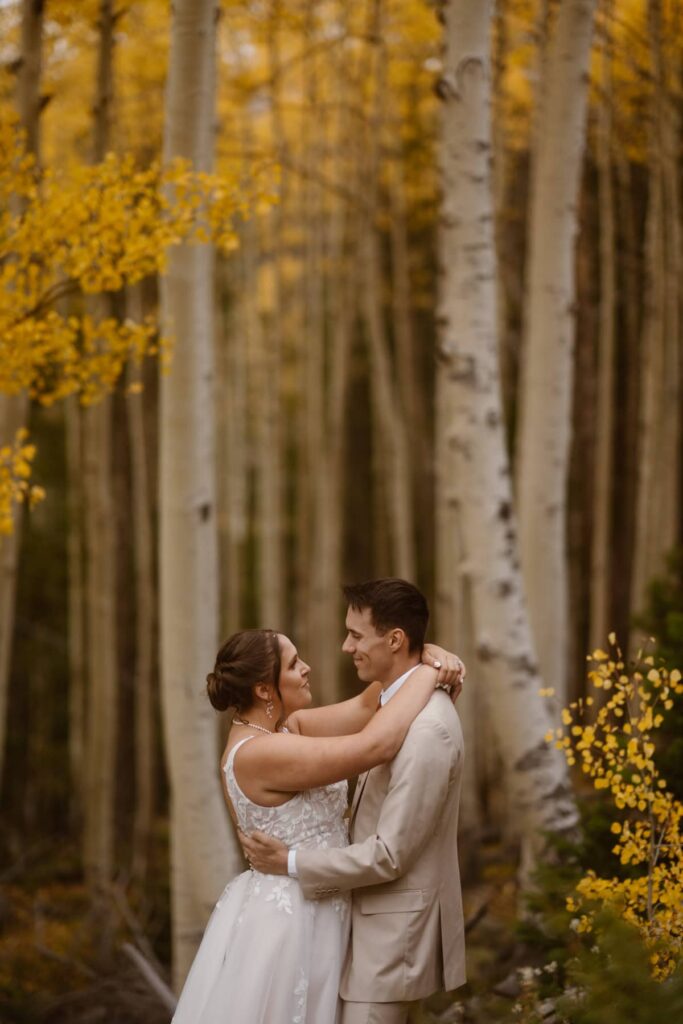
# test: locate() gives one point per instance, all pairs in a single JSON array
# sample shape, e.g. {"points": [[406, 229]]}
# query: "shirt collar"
{"points": [[388, 693]]}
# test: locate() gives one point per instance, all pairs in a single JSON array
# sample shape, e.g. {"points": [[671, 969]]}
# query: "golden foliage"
{"points": [[15, 470], [91, 230], [617, 752]]}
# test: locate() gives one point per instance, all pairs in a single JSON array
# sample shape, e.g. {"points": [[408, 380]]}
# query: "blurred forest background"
{"points": [[300, 293]]}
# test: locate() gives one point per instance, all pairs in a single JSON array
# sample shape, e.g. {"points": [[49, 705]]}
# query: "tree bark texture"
{"points": [[14, 408], [145, 607], [601, 544], [101, 567], [658, 500], [391, 457], [473, 429], [547, 358], [204, 852], [77, 605]]}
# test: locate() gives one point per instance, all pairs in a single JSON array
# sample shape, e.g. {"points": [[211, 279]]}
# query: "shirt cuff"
{"points": [[291, 864]]}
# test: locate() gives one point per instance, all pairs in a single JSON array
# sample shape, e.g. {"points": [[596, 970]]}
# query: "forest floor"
{"points": [[63, 963]]}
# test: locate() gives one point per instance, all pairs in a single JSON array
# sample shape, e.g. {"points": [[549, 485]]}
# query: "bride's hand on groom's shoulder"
{"points": [[451, 670], [264, 853]]}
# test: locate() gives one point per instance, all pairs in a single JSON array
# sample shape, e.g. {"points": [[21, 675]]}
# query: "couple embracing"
{"points": [[323, 930]]}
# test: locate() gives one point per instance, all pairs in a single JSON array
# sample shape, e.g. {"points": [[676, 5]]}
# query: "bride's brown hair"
{"points": [[246, 659]]}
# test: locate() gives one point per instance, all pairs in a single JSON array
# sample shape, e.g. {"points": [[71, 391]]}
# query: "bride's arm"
{"points": [[287, 763], [352, 715], [348, 716]]}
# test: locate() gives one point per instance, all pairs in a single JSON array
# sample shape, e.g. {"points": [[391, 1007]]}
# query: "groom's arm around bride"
{"points": [[407, 934]]}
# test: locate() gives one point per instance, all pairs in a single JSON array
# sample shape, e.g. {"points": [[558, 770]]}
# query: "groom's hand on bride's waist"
{"points": [[264, 853]]}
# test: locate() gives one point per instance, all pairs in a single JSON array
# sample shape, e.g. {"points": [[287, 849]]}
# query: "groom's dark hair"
{"points": [[393, 603]]}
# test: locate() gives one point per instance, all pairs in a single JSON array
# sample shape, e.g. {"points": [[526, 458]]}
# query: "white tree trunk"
{"points": [[547, 358], [601, 564], [204, 851], [453, 614], [469, 365]]}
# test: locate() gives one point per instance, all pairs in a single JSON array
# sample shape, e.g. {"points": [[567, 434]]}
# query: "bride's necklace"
{"points": [[251, 725]]}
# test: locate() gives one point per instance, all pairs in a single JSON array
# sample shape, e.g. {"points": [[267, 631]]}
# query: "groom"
{"points": [[407, 929]]}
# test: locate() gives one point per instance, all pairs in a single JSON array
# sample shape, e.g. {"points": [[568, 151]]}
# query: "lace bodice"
{"points": [[312, 818]]}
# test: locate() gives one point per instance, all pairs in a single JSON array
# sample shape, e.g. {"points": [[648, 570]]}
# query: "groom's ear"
{"points": [[396, 638]]}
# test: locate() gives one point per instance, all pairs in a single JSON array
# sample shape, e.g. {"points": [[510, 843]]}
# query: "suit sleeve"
{"points": [[421, 775]]}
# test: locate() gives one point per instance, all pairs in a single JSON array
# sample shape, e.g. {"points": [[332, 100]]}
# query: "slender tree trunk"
{"points": [[100, 530], [77, 606], [14, 408], [145, 602], [326, 614], [330, 308], [469, 365], [13, 413], [601, 563], [628, 408], [391, 457], [508, 358], [658, 488], [100, 755], [233, 415], [204, 852], [547, 359], [30, 72], [264, 389], [453, 619]]}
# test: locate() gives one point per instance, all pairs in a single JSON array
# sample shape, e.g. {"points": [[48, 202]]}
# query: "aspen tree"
{"points": [[330, 308], [270, 459], [472, 425], [145, 603], [204, 852], [233, 444], [453, 615], [77, 628], [547, 358], [14, 408], [391, 455], [658, 502], [410, 388], [601, 561], [100, 543], [312, 471]]}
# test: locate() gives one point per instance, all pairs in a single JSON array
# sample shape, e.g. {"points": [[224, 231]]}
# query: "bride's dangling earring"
{"points": [[269, 708]]}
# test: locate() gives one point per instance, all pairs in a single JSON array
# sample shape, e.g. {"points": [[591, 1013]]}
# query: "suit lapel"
{"points": [[360, 786]]}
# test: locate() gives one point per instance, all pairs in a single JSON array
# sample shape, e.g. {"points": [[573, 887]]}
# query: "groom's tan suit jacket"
{"points": [[407, 929]]}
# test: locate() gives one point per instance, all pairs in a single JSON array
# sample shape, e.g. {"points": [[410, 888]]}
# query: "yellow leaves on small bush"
{"points": [[617, 752]]}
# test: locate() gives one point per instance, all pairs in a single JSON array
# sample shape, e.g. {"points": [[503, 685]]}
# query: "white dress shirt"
{"points": [[385, 695]]}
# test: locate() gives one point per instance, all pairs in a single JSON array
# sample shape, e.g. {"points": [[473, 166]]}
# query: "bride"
{"points": [[269, 956]]}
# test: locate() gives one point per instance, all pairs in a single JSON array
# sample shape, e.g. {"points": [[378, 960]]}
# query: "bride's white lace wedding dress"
{"points": [[269, 956]]}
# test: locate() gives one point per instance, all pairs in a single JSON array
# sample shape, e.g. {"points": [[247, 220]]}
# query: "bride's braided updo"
{"points": [[245, 660]]}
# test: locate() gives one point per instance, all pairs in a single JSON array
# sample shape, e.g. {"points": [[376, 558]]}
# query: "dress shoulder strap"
{"points": [[227, 766]]}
